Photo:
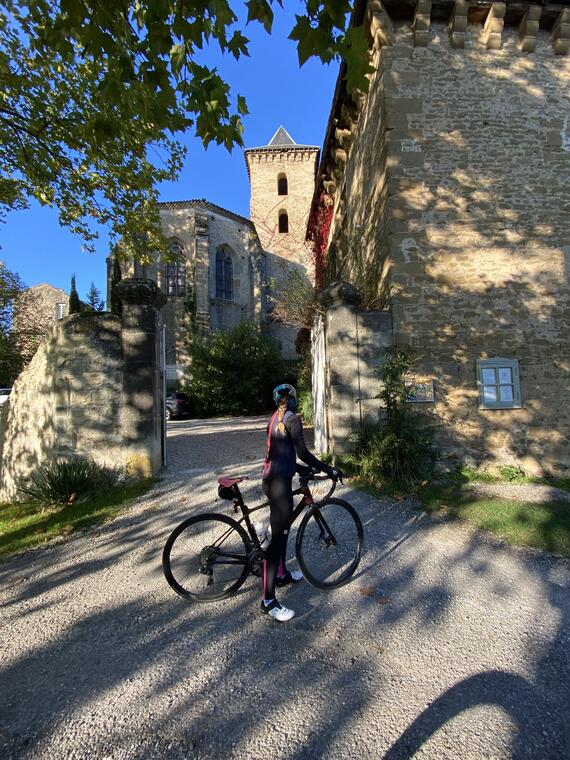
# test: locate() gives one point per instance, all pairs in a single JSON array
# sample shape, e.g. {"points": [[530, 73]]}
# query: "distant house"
{"points": [[35, 311]]}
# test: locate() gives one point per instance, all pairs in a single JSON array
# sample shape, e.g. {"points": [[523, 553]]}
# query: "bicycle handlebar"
{"points": [[311, 474]]}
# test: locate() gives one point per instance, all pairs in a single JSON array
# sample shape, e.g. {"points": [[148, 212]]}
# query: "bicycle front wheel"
{"points": [[329, 543], [206, 557]]}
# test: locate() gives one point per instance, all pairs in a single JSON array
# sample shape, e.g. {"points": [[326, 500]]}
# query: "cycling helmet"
{"points": [[284, 391]]}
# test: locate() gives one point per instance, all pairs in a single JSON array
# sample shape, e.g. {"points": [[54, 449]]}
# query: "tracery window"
{"points": [[224, 275], [176, 271]]}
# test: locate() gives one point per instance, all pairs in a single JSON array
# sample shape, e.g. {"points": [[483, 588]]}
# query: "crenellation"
{"points": [[493, 29], [528, 29], [422, 19], [561, 33]]}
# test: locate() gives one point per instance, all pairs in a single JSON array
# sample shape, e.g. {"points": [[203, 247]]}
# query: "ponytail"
{"points": [[281, 409]]}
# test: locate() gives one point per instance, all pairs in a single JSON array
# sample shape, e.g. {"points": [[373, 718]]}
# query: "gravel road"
{"points": [[445, 645]]}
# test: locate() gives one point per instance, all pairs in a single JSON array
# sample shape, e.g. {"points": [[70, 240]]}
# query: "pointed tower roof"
{"points": [[281, 137], [282, 140]]}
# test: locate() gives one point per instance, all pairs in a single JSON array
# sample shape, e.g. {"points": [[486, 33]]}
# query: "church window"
{"points": [[283, 222], [224, 275], [499, 384], [282, 188], [176, 272]]}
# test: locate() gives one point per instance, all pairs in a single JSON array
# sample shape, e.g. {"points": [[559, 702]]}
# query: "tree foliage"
{"points": [[234, 372], [96, 94], [11, 286], [74, 302], [93, 299], [294, 300]]}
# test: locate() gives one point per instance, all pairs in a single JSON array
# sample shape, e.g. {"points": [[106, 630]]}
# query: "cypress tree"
{"points": [[74, 302], [116, 304]]}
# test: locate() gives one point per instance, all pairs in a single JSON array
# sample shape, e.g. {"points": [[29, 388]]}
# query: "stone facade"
{"points": [[282, 181], [36, 310], [92, 388], [199, 231], [451, 203], [259, 253]]}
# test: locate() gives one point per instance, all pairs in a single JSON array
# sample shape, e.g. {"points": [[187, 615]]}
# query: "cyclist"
{"points": [[285, 441]]}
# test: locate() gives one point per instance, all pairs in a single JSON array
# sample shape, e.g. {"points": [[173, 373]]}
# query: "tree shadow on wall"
{"points": [[478, 240]]}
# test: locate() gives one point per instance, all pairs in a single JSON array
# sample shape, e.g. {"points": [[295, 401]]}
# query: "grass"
{"points": [[509, 474], [24, 525], [543, 526]]}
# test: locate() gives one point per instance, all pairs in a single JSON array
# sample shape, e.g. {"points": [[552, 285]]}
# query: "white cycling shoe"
{"points": [[277, 611]]}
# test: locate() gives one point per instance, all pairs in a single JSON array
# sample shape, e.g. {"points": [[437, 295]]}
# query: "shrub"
{"points": [[234, 372], [64, 481], [400, 448]]}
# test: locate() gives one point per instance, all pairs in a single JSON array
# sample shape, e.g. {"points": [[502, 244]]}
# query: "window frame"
{"points": [[175, 272], [496, 364], [224, 275], [60, 310]]}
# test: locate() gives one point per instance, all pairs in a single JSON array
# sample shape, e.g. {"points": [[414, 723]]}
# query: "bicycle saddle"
{"points": [[229, 482]]}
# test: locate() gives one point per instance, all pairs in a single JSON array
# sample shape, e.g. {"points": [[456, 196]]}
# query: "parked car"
{"points": [[178, 405], [4, 393]]}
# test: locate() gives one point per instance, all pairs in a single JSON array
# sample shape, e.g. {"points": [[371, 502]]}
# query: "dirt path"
{"points": [[445, 645]]}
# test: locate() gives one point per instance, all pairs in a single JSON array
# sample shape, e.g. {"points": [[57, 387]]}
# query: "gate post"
{"points": [[141, 407], [341, 300]]}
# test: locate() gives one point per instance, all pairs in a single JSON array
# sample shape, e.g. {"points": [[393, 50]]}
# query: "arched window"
{"points": [[176, 271], [282, 188], [283, 222], [224, 274]]}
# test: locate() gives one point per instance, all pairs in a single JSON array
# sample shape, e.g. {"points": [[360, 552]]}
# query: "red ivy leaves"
{"points": [[318, 231]]}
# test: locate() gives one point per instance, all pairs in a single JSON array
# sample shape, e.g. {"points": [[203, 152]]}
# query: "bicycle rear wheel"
{"points": [[205, 557], [329, 543]]}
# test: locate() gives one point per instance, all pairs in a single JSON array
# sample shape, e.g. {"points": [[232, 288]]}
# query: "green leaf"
{"points": [[242, 105], [260, 10]]}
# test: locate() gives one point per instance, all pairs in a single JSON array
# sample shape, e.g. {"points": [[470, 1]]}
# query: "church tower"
{"points": [[282, 180]]}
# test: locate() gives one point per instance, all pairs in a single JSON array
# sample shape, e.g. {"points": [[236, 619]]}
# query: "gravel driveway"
{"points": [[445, 645]]}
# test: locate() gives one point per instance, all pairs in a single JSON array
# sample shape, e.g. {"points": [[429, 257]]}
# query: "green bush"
{"points": [[64, 481], [399, 449], [234, 372], [305, 386]]}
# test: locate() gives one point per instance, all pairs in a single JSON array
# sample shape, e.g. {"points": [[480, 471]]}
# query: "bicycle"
{"points": [[209, 556]]}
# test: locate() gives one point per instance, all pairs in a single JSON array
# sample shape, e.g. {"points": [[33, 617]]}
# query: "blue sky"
{"points": [[277, 91]]}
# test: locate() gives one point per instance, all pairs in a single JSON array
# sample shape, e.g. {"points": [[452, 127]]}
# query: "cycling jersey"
{"points": [[284, 446]]}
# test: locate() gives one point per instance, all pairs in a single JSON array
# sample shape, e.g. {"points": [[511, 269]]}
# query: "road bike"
{"points": [[209, 556]]}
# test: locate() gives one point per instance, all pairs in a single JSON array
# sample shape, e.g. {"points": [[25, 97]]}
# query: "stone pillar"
{"points": [[142, 405], [341, 349], [355, 344], [202, 274]]}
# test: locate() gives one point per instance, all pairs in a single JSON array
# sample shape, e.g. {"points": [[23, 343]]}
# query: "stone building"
{"points": [[225, 262], [447, 190], [36, 310]]}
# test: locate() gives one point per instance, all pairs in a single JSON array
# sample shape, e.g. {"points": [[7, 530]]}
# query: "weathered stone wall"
{"points": [[265, 166], [472, 237], [92, 388], [200, 233]]}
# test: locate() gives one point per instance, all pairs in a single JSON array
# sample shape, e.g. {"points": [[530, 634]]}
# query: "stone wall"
{"points": [[92, 388], [265, 165], [456, 186]]}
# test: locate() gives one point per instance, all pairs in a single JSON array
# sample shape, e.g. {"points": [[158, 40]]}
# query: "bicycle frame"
{"points": [[306, 501]]}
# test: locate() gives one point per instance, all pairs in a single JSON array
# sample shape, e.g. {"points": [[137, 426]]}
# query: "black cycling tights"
{"points": [[280, 494]]}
